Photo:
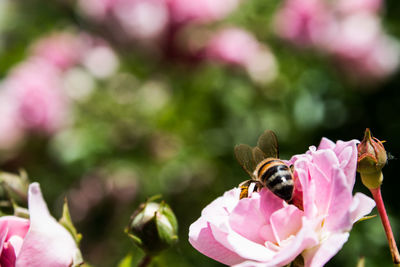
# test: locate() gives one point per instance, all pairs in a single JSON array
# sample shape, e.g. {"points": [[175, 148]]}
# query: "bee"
{"points": [[265, 168]]}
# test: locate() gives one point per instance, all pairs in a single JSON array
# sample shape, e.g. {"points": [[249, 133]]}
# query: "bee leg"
{"points": [[244, 188]]}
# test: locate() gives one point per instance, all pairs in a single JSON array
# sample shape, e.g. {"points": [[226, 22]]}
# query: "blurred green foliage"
{"points": [[170, 128]]}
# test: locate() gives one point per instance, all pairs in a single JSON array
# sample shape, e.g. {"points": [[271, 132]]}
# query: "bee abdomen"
{"points": [[277, 177]]}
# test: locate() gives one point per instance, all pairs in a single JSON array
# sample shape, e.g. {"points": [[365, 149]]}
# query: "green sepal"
{"points": [[127, 261], [166, 230], [366, 218], [66, 221]]}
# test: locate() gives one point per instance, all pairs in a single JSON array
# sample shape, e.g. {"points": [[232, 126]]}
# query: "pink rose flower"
{"points": [[39, 241], [264, 230], [238, 47], [63, 49], [35, 90], [303, 22], [201, 11]]}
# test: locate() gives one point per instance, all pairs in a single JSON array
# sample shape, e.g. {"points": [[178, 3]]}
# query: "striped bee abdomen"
{"points": [[277, 177]]}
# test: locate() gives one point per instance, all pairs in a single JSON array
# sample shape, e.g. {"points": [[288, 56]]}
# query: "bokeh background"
{"points": [[108, 102]]}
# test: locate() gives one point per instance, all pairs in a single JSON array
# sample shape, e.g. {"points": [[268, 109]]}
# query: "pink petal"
{"points": [[361, 206], [286, 222], [304, 239], [222, 205], [16, 226], [7, 256], [47, 243], [318, 256], [301, 167], [326, 160], [340, 200], [201, 238], [247, 219], [269, 203], [326, 144], [324, 185], [3, 233], [240, 244], [347, 155]]}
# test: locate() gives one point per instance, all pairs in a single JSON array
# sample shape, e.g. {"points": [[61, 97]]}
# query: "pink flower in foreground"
{"points": [[39, 241], [264, 230]]}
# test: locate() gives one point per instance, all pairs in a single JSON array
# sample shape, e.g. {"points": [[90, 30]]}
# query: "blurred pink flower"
{"points": [[11, 132], [349, 31], [34, 89], [232, 45], [146, 21], [351, 6], [142, 19], [239, 47], [96, 9], [264, 230], [39, 241], [60, 49], [303, 22], [367, 53], [183, 11]]}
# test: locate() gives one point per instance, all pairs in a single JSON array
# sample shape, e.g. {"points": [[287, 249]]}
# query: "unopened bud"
{"points": [[13, 191], [372, 158], [153, 227]]}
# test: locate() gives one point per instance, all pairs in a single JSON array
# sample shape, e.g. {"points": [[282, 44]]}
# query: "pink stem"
{"points": [[376, 193]]}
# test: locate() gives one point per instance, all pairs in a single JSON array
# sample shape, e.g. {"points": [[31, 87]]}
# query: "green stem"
{"points": [[376, 193]]}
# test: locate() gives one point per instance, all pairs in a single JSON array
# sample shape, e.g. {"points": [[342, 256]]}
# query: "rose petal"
{"points": [[17, 226], [240, 244], [347, 155], [47, 243], [247, 219], [361, 206], [308, 186], [3, 232], [201, 238], [326, 144], [321, 254], [305, 238], [338, 218], [286, 222], [8, 256]]}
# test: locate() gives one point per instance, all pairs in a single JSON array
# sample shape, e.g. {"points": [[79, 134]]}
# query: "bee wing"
{"points": [[244, 156], [268, 143], [258, 155]]}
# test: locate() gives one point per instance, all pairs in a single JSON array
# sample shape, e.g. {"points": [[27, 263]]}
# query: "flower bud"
{"points": [[372, 158], [13, 192], [153, 227]]}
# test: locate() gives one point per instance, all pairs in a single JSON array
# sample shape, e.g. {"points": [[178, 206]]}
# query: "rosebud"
{"points": [[372, 158], [153, 227], [13, 192], [14, 187]]}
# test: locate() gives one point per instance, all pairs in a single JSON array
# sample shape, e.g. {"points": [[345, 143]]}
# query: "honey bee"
{"points": [[265, 168]]}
